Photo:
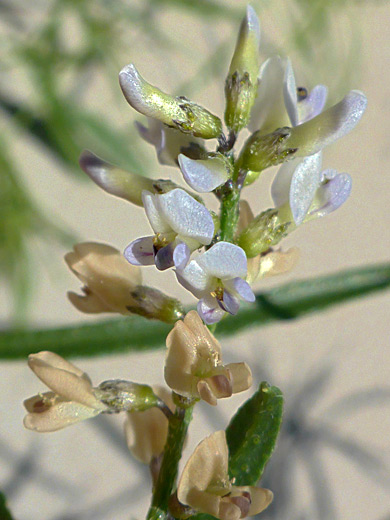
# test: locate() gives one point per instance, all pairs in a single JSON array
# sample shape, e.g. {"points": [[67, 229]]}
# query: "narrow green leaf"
{"points": [[4, 511], [252, 433], [286, 302]]}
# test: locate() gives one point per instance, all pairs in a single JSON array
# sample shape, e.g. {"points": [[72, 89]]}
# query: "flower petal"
{"points": [[207, 466], [260, 498], [290, 94], [313, 104], [241, 376], [241, 288], [304, 184], [280, 188], [332, 194], [210, 312], [324, 129], [269, 112], [230, 302], [66, 384], [140, 251], [58, 416], [153, 212], [224, 260], [186, 216], [181, 255], [164, 257], [203, 175], [88, 303], [113, 180]]}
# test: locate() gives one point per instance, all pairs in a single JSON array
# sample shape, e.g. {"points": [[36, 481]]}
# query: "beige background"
{"points": [[79, 467]]}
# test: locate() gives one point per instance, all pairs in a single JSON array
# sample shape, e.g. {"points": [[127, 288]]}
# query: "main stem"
{"points": [[177, 430]]}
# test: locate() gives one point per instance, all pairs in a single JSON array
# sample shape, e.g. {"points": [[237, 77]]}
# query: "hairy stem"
{"points": [[178, 426], [229, 212]]}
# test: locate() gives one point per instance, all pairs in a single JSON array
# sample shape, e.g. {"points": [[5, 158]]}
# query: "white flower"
{"points": [[278, 101], [217, 278], [71, 399], [308, 192], [176, 218], [193, 366], [168, 142], [204, 175], [205, 485]]}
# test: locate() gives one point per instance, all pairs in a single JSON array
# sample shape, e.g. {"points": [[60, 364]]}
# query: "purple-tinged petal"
{"points": [[242, 288], [313, 104], [224, 260], [181, 255], [140, 251], [164, 257], [280, 188], [209, 314], [290, 94], [305, 181], [331, 195], [203, 175], [327, 127], [230, 303], [186, 216]]}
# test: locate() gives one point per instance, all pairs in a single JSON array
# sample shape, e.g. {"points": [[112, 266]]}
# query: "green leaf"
{"points": [[286, 302], [4, 511], [252, 433]]}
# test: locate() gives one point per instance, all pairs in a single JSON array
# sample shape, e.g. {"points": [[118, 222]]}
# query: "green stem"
{"points": [[178, 426], [229, 213]]}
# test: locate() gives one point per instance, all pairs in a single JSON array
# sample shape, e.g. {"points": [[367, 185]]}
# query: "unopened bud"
{"points": [[154, 304], [176, 112], [262, 151], [265, 231], [126, 396], [241, 83], [114, 180]]}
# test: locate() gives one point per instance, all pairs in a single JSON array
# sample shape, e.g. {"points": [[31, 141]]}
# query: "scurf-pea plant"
{"points": [[214, 256]]}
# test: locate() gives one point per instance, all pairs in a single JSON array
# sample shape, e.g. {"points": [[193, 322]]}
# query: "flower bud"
{"points": [[265, 231], [262, 151], [176, 112], [241, 83], [154, 304], [126, 396], [114, 180]]}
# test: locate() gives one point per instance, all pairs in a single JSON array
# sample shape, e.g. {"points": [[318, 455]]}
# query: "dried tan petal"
{"points": [[58, 416], [146, 432], [220, 384], [228, 510], [278, 262], [205, 392], [205, 341], [241, 376], [180, 358], [88, 303], [206, 468], [260, 498], [62, 381], [55, 361], [106, 273]]}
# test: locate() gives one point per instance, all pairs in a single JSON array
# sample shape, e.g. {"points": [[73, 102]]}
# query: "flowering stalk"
{"points": [[177, 431]]}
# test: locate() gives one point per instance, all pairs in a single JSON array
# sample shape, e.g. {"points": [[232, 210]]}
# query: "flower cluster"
{"points": [[209, 253], [217, 257]]}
